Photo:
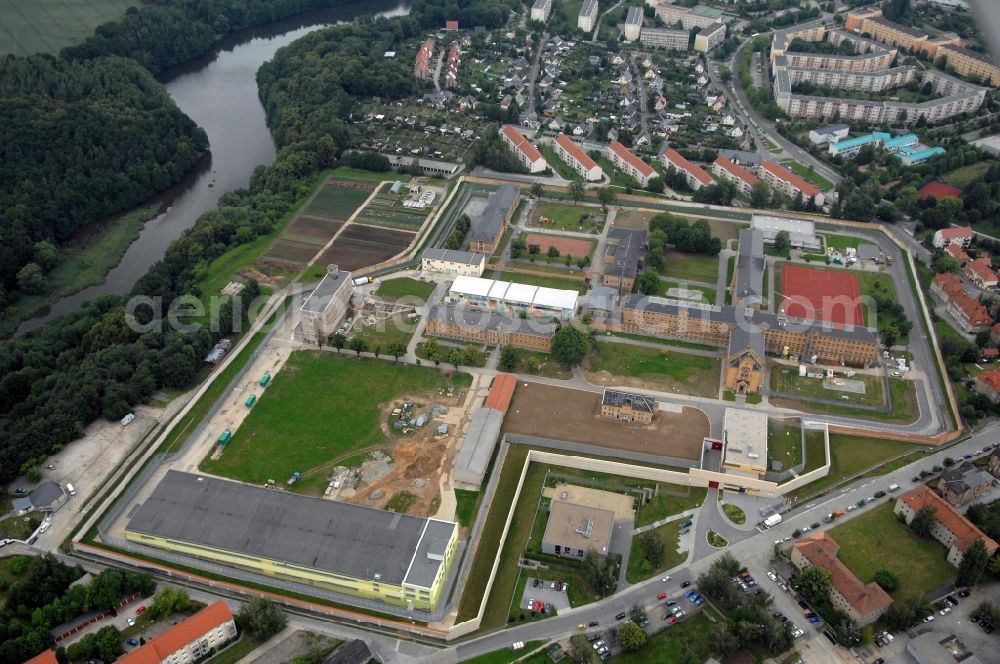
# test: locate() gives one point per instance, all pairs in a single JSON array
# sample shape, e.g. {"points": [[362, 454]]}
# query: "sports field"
{"points": [[827, 295], [47, 26], [567, 246], [319, 407]]}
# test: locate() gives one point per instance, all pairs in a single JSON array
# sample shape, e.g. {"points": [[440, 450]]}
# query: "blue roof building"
{"points": [[915, 157], [851, 146], [897, 143]]}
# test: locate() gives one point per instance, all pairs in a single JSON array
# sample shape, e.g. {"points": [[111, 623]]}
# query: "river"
{"points": [[218, 92]]}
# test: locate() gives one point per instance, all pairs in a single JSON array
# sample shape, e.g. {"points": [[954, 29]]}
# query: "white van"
{"points": [[893, 487], [70, 490]]}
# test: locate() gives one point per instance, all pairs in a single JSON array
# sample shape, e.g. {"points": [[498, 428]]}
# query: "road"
{"points": [[533, 75]]}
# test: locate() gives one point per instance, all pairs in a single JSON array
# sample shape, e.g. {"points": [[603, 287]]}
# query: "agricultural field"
{"points": [[47, 26], [362, 246], [340, 198], [387, 210], [311, 415]]}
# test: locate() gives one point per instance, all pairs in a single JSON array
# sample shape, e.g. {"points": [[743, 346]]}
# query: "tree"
{"points": [[455, 357], [31, 279], [338, 341], [889, 334], [510, 357], [649, 281], [631, 637], [974, 562], [358, 345], [552, 252], [652, 547], [923, 521], [536, 190], [600, 572], [376, 349], [886, 579], [396, 349], [760, 195], [782, 243], [576, 190], [109, 643], [569, 345], [169, 601], [46, 255], [606, 195], [814, 584], [655, 185], [262, 618]]}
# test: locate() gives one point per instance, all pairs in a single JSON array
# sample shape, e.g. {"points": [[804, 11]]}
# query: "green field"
{"points": [[679, 343], [708, 293], [564, 170], [567, 217], [234, 652], [878, 540], [904, 403], [840, 242], [348, 173], [47, 26], [671, 499], [506, 655], [542, 280], [808, 173], [639, 569], [311, 414], [692, 267], [394, 289], [338, 202], [786, 381], [966, 175], [465, 507], [394, 329], [386, 210], [690, 374], [688, 641], [852, 455], [734, 514]]}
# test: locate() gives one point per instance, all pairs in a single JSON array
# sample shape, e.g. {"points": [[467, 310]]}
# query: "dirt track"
{"points": [[572, 415]]}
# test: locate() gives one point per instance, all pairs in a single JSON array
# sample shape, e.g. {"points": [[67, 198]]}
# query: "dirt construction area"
{"points": [[573, 415], [567, 246]]}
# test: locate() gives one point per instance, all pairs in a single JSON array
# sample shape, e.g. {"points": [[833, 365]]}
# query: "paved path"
{"points": [[686, 514]]}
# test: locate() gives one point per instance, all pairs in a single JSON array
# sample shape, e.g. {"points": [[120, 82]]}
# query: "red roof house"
{"points": [[980, 272], [451, 25]]}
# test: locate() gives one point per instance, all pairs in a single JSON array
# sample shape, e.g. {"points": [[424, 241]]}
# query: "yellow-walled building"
{"points": [[383, 556]]}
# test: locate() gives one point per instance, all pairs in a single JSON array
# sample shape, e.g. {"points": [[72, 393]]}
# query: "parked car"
{"points": [[140, 610], [621, 616], [592, 623], [666, 578], [963, 593], [130, 621], [815, 525], [661, 596], [685, 584], [593, 637], [783, 587], [945, 611], [132, 642], [815, 620], [951, 600], [772, 576]]}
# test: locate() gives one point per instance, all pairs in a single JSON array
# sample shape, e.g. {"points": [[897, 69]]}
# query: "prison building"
{"points": [[488, 227], [451, 261], [627, 407], [624, 256], [489, 328], [325, 308]]}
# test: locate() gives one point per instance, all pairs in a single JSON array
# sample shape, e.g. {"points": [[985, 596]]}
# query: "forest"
{"points": [[120, 137]]}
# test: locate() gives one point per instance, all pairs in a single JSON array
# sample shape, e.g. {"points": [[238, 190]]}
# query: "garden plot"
{"points": [[363, 246]]}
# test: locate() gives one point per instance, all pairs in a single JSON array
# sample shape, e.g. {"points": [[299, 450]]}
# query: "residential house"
{"points": [[724, 169], [624, 160], [789, 183], [980, 272], [988, 384], [950, 527], [960, 235], [523, 149], [964, 482], [189, 640], [695, 175], [956, 252], [577, 159]]}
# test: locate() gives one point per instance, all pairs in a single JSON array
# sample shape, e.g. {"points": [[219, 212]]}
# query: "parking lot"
{"points": [[546, 592]]}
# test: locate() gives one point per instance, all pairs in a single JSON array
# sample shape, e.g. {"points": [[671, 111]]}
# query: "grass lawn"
{"points": [[236, 651], [877, 540], [20, 527], [339, 202], [541, 280], [691, 635], [384, 332], [691, 266], [639, 569], [815, 450], [966, 175], [679, 343], [904, 404], [564, 170], [735, 514], [541, 364], [808, 173], [850, 456], [394, 289], [567, 217], [465, 508], [311, 414], [671, 499], [707, 293], [506, 655], [786, 380], [692, 374], [784, 442], [840, 242]]}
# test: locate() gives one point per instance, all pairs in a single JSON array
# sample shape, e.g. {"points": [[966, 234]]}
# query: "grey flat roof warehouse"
{"points": [[350, 540]]}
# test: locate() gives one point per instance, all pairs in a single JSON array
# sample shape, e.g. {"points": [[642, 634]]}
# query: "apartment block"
{"points": [[724, 169], [325, 308], [969, 63], [523, 149], [855, 18], [540, 10], [792, 185], [633, 24], [690, 17], [695, 175], [665, 38], [893, 34], [868, 81], [950, 527], [710, 37], [960, 235], [588, 16], [624, 160], [188, 641], [576, 158]]}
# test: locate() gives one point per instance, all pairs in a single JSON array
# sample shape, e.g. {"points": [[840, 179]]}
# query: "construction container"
{"points": [[251, 400]]}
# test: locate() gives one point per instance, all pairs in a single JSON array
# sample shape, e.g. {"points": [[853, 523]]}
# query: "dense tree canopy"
{"points": [[79, 141]]}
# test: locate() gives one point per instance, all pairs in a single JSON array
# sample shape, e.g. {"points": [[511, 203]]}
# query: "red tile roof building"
{"points": [[988, 384], [788, 183], [960, 235], [969, 313], [636, 168], [451, 25], [990, 353], [741, 177], [937, 189], [523, 149], [695, 175], [957, 253], [579, 160], [862, 602], [950, 528], [47, 657], [980, 272], [188, 640], [946, 286], [421, 66]]}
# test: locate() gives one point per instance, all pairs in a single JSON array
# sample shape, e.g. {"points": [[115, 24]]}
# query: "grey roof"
{"points": [[46, 493], [22, 504], [477, 447], [741, 338], [830, 129], [738, 316], [355, 541], [713, 28], [637, 401], [750, 266], [964, 477], [741, 157], [628, 247], [490, 320], [322, 295], [487, 226], [913, 32], [430, 552], [588, 8], [352, 652], [975, 55], [453, 256], [869, 252], [602, 298], [634, 16]]}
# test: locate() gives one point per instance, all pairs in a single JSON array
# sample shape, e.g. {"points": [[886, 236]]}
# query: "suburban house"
{"points": [[950, 527], [960, 235], [964, 482], [988, 384], [189, 640], [523, 149], [863, 603], [627, 407]]}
